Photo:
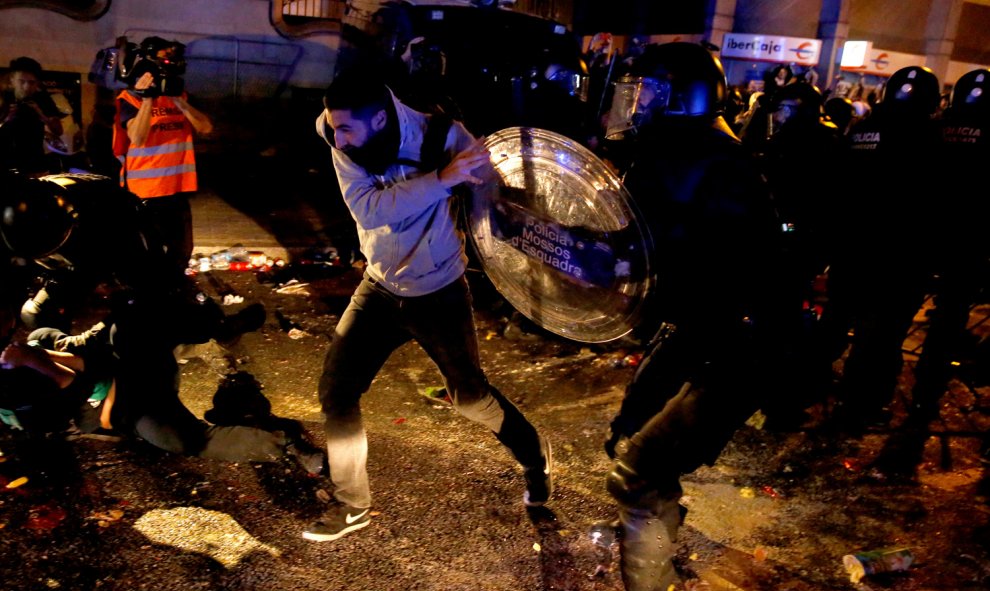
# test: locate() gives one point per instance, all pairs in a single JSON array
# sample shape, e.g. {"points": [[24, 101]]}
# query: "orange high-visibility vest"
{"points": [[165, 164]]}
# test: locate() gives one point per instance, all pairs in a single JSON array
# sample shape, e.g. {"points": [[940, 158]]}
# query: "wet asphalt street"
{"points": [[778, 511]]}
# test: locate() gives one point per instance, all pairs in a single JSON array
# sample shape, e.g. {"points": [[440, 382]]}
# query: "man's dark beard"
{"points": [[379, 151]]}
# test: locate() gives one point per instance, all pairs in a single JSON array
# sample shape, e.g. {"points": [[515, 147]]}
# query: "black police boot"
{"points": [[648, 545]]}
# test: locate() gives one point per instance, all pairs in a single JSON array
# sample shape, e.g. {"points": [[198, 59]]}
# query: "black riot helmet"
{"points": [[671, 81], [969, 95], [840, 111], [36, 218], [804, 99], [913, 90]]}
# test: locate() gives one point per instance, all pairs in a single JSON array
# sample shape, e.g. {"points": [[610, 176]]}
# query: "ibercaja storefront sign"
{"points": [[769, 48]]}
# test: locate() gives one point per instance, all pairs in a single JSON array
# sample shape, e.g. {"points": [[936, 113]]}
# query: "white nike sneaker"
{"points": [[338, 521]]}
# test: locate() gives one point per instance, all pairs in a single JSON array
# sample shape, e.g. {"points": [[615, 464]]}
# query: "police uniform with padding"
{"points": [[717, 302], [963, 267], [885, 243]]}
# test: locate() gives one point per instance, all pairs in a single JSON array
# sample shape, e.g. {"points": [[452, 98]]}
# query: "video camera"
{"points": [[122, 65]]}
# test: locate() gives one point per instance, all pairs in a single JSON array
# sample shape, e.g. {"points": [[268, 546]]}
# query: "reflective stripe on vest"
{"points": [[165, 164]]}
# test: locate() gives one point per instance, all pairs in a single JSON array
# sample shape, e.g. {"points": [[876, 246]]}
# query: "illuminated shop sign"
{"points": [[765, 48], [861, 56], [854, 54]]}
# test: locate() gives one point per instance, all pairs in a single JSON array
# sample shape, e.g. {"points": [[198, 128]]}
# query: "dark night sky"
{"points": [[630, 17]]}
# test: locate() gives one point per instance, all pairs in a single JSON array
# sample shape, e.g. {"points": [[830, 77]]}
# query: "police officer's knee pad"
{"points": [[631, 488], [625, 485]]}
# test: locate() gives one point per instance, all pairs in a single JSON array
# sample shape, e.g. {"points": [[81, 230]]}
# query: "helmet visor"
{"points": [[632, 101]]}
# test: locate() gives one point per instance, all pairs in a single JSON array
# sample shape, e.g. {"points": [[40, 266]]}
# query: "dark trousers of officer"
{"points": [[879, 303], [702, 401], [947, 339], [376, 323]]}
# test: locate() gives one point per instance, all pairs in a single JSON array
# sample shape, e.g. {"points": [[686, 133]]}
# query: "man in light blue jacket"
{"points": [[396, 168]]}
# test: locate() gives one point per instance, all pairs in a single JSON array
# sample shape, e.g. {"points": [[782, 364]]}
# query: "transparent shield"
{"points": [[559, 237]]}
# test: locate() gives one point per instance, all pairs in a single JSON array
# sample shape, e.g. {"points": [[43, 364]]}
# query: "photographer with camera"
{"points": [[26, 109], [154, 137]]}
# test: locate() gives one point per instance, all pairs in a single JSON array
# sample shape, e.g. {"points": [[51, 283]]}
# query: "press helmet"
{"points": [[913, 90], [970, 92], [36, 218]]}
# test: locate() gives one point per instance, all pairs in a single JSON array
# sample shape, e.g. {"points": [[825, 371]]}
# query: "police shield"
{"points": [[559, 236]]}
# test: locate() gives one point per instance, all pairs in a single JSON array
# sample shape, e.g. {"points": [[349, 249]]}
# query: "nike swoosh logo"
{"points": [[352, 518]]}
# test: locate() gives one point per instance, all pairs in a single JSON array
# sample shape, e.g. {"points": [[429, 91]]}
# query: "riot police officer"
{"points": [[720, 324], [963, 250], [877, 280], [83, 230], [961, 256], [801, 142], [93, 232]]}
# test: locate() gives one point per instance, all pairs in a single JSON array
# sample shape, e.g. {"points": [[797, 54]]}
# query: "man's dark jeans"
{"points": [[376, 323]]}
